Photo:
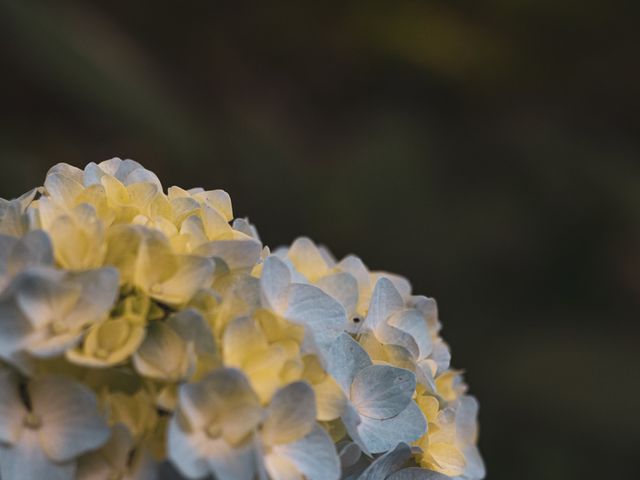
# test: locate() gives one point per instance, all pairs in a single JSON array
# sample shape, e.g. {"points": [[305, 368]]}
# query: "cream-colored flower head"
{"points": [[208, 351]]}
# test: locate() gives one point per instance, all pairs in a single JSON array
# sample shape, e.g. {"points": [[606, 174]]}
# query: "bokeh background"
{"points": [[490, 151]]}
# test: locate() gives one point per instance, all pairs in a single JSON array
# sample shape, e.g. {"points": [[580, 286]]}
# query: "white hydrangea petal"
{"points": [[200, 401], [13, 220], [382, 391], [475, 468], [193, 327], [274, 283], [43, 295], [280, 467], [382, 435], [141, 175], [14, 328], [186, 450], [232, 463], [34, 248], [441, 355], [71, 424], [43, 345], [324, 316], [291, 414], [63, 189], [111, 166], [345, 359], [385, 301], [351, 420], [100, 289], [215, 224], [428, 307], [388, 463], [162, 353], [415, 473], [244, 226], [124, 167], [236, 254], [26, 460], [92, 174], [314, 455], [399, 282], [353, 265], [413, 323], [193, 273], [307, 259], [12, 411], [466, 415], [389, 335], [67, 170], [218, 199], [343, 287]]}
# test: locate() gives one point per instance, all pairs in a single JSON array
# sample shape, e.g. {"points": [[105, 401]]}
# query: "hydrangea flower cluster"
{"points": [[140, 328]]}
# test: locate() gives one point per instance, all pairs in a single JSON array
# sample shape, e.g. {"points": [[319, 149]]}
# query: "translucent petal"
{"points": [[62, 188], [236, 254], [230, 463], [447, 458], [291, 414], [325, 317], [314, 455], [26, 460], [307, 259], [343, 287], [274, 283], [345, 359], [192, 274], [218, 199], [71, 424], [185, 450], [388, 463], [382, 391], [163, 353], [242, 338], [382, 435], [385, 301], [281, 468], [413, 323]]}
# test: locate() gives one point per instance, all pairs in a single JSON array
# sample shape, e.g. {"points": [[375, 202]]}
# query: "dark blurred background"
{"points": [[490, 151]]}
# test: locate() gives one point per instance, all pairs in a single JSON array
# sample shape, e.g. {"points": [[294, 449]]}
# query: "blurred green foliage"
{"points": [[487, 150]]}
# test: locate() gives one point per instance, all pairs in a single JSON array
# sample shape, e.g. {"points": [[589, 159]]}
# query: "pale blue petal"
{"points": [[385, 301], [291, 414], [382, 435], [382, 391], [345, 359], [71, 423], [343, 287], [274, 283], [26, 460], [388, 463], [323, 315], [315, 455]]}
